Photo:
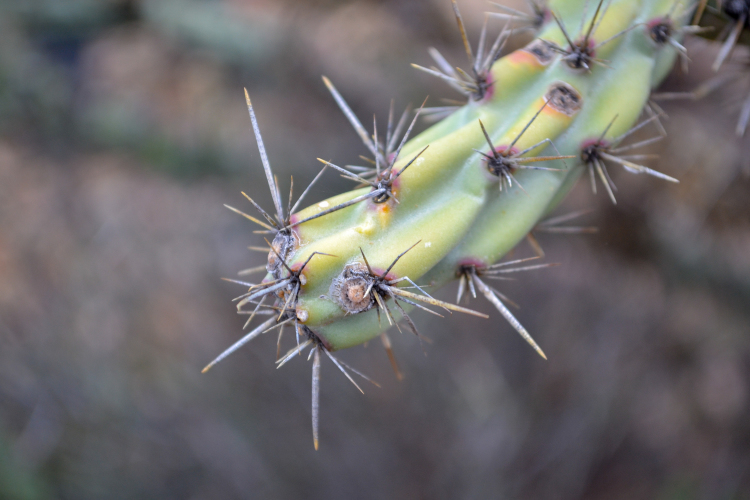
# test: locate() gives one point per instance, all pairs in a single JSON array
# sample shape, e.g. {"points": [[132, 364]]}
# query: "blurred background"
{"points": [[123, 130]]}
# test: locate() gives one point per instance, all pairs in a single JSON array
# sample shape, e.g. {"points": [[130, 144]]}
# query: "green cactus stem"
{"points": [[449, 203]]}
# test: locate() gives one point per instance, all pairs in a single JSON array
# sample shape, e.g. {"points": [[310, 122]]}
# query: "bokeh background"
{"points": [[123, 130]]}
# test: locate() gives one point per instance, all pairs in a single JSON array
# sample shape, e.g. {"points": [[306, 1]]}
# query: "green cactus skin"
{"points": [[621, 90], [563, 93]]}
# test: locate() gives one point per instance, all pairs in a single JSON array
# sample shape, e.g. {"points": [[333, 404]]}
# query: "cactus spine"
{"points": [[452, 201]]}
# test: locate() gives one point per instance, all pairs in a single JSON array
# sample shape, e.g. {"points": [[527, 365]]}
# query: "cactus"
{"points": [[449, 203]]}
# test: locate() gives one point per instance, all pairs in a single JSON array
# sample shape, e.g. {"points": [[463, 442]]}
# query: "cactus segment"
{"points": [[452, 201], [623, 91]]}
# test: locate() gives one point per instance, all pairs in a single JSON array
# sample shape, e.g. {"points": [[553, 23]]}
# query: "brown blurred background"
{"points": [[123, 130]]}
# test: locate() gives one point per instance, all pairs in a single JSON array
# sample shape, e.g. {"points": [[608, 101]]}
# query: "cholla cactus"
{"points": [[449, 203]]}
